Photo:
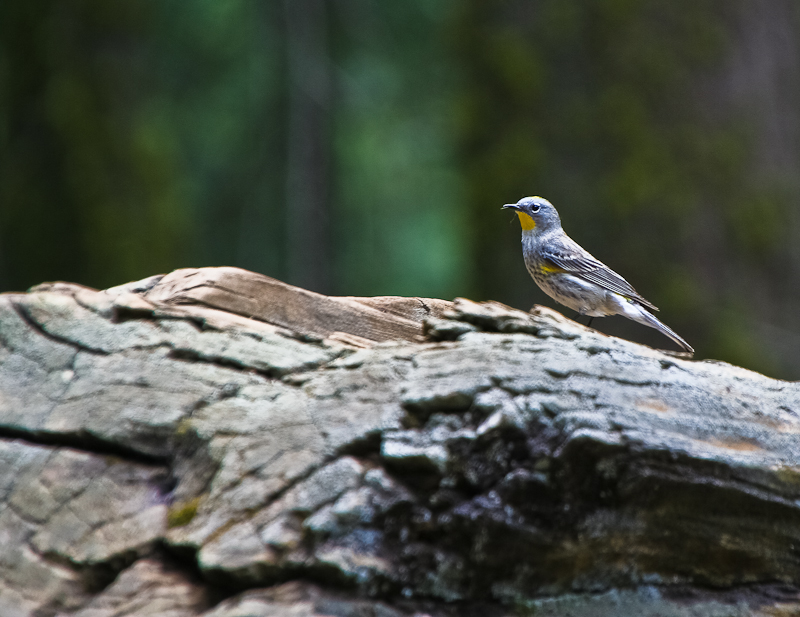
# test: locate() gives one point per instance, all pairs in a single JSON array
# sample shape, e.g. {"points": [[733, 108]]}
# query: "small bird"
{"points": [[570, 275]]}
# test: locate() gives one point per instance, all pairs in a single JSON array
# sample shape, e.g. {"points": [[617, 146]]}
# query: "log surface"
{"points": [[215, 442]]}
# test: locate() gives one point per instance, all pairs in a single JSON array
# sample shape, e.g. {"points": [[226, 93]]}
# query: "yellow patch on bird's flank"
{"points": [[526, 221], [550, 269]]}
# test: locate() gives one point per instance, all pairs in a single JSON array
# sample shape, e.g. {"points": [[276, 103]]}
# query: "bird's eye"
{"points": [[535, 208]]}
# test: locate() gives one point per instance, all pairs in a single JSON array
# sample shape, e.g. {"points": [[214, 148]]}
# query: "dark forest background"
{"points": [[363, 147]]}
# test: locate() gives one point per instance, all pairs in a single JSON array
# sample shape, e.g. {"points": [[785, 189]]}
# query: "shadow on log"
{"points": [[215, 442]]}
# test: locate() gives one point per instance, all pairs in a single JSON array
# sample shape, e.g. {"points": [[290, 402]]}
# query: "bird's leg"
{"points": [[578, 316]]}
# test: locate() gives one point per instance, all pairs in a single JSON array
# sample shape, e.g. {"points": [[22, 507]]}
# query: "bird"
{"points": [[570, 275]]}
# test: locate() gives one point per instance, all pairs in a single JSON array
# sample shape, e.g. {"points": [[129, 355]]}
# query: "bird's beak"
{"points": [[511, 207]]}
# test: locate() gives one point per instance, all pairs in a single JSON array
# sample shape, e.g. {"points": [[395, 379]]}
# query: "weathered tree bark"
{"points": [[217, 443]]}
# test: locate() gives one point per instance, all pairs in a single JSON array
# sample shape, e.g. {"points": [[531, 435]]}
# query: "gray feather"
{"points": [[579, 262]]}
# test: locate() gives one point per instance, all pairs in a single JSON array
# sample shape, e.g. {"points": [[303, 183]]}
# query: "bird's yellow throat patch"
{"points": [[526, 221]]}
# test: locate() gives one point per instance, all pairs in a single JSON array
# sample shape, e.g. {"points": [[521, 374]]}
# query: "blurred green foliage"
{"points": [[140, 137]]}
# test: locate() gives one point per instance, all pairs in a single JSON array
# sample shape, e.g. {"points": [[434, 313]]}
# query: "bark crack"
{"points": [[39, 329], [83, 441]]}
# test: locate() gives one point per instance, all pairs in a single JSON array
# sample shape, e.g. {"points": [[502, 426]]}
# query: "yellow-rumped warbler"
{"points": [[570, 275]]}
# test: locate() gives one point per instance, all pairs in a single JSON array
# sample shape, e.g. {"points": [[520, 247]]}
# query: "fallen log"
{"points": [[213, 442]]}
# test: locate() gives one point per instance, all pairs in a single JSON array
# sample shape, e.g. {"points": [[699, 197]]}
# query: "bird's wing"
{"points": [[571, 258]]}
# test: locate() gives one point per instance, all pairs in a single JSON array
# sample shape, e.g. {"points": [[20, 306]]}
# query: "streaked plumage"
{"points": [[570, 275]]}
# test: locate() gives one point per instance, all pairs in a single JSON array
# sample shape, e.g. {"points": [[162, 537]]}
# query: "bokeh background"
{"points": [[364, 147]]}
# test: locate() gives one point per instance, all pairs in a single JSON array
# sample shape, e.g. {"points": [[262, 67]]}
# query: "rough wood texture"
{"points": [[266, 299], [162, 453]]}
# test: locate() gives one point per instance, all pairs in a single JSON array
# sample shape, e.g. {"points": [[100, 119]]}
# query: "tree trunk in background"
{"points": [[745, 248], [307, 157], [760, 82]]}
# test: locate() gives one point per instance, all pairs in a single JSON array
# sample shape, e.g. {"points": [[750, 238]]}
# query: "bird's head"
{"points": [[535, 213]]}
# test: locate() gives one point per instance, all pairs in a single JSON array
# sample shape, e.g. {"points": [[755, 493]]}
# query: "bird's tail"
{"points": [[643, 316]]}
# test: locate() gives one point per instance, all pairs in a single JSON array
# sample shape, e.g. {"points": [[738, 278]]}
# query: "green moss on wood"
{"points": [[183, 512]]}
